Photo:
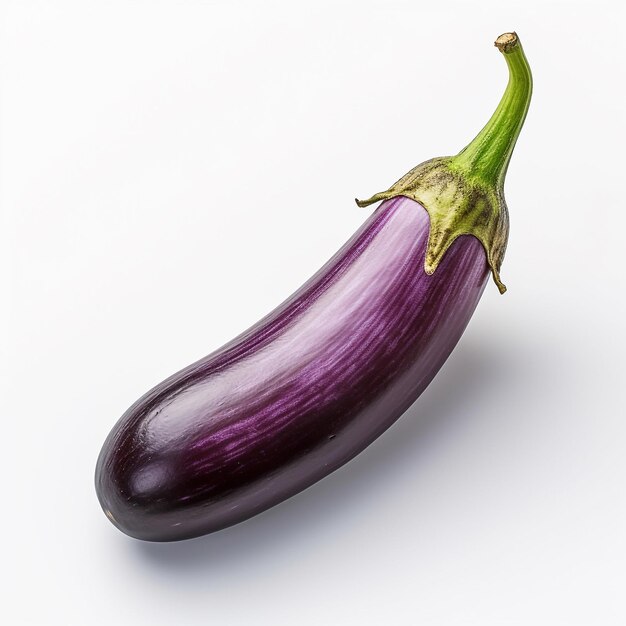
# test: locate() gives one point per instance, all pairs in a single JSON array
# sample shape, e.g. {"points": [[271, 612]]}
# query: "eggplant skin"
{"points": [[300, 393]]}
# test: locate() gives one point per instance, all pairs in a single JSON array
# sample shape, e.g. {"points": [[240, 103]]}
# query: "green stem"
{"points": [[487, 157]]}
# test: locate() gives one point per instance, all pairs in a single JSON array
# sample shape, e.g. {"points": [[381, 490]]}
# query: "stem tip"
{"points": [[506, 42]]}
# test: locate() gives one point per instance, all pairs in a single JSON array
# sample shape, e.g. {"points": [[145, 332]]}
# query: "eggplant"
{"points": [[321, 377]]}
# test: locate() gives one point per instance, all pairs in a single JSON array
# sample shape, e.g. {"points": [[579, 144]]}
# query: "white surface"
{"points": [[170, 171]]}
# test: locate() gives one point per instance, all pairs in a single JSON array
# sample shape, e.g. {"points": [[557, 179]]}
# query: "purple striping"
{"points": [[298, 394]]}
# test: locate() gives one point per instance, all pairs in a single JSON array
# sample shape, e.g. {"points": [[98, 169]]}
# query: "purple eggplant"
{"points": [[315, 382]]}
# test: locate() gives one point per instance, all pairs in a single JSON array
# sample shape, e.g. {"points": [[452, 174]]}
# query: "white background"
{"points": [[172, 170]]}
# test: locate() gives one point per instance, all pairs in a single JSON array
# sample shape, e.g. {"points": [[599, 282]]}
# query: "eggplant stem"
{"points": [[464, 194], [487, 157]]}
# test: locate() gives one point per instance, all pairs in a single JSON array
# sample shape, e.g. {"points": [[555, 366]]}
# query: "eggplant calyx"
{"points": [[456, 205]]}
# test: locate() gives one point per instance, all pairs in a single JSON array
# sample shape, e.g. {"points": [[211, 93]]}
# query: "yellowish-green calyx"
{"points": [[456, 206], [464, 194]]}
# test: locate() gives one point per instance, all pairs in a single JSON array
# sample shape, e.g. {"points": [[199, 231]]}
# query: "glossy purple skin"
{"points": [[301, 392]]}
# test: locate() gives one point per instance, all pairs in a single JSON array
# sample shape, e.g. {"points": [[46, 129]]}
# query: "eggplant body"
{"points": [[301, 392]]}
